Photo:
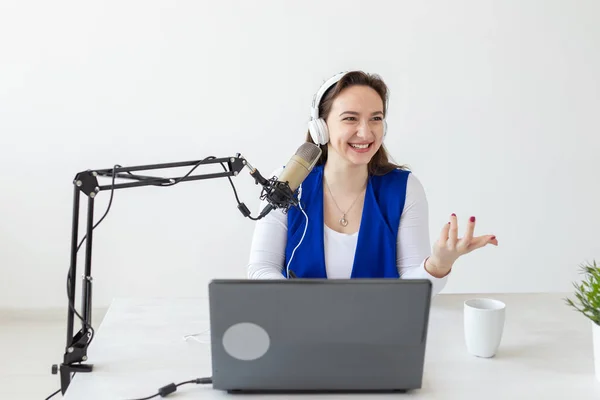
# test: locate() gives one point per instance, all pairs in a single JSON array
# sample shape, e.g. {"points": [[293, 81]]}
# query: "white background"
{"points": [[494, 105]]}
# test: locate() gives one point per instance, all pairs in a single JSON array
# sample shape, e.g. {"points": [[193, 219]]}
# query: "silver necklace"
{"points": [[343, 220]]}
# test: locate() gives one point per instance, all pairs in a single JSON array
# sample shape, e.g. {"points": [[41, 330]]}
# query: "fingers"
{"points": [[466, 240], [486, 239], [449, 237], [444, 233], [481, 241], [453, 233]]}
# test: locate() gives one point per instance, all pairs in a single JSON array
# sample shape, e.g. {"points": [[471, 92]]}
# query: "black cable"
{"points": [[53, 394], [176, 181], [241, 206], [150, 397], [71, 305], [171, 387], [232, 186]]}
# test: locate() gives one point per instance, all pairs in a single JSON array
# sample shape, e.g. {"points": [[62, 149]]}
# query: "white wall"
{"points": [[495, 105]]}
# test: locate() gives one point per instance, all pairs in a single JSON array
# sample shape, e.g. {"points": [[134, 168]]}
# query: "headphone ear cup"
{"points": [[324, 132], [318, 131], [314, 131]]}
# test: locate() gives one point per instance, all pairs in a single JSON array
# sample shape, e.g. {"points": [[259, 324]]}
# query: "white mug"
{"points": [[484, 325]]}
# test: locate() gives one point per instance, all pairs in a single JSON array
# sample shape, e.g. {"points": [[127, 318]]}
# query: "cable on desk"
{"points": [[170, 388], [52, 395]]}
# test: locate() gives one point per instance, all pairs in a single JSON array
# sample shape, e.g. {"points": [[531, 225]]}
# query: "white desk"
{"points": [[546, 353]]}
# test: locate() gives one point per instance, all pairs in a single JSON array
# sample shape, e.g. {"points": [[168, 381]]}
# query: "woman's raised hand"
{"points": [[449, 247]]}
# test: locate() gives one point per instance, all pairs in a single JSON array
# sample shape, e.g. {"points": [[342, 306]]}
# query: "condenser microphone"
{"points": [[280, 193]]}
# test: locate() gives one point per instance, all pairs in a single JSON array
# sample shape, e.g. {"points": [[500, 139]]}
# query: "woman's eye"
{"points": [[378, 118], [349, 118]]}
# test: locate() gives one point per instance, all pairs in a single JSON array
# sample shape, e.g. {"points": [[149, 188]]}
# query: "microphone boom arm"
{"points": [[234, 164], [86, 182]]}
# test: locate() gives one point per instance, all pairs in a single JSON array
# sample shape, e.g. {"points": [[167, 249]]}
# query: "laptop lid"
{"points": [[318, 334]]}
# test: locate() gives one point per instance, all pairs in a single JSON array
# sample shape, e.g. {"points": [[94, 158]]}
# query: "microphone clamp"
{"points": [[278, 194]]}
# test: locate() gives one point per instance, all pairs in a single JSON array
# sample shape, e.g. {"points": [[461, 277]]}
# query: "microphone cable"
{"points": [[170, 388], [52, 395]]}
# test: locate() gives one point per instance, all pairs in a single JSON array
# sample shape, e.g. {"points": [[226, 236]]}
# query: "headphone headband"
{"points": [[317, 126], [314, 111]]}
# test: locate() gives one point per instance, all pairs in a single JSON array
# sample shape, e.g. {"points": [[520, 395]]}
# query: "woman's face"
{"points": [[355, 124]]}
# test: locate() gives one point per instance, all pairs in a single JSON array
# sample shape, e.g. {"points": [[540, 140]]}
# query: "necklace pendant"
{"points": [[344, 221]]}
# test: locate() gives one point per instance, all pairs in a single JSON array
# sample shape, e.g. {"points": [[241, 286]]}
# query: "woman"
{"points": [[361, 216]]}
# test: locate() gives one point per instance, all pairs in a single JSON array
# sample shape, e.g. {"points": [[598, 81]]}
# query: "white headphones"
{"points": [[317, 126]]}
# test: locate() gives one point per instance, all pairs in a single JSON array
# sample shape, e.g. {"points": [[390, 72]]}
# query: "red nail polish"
{"points": [[493, 237], [472, 219], [454, 215]]}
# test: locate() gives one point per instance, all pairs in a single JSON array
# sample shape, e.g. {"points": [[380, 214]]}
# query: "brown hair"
{"points": [[380, 163]]}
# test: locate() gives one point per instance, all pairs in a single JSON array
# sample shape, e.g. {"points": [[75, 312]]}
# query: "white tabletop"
{"points": [[546, 353]]}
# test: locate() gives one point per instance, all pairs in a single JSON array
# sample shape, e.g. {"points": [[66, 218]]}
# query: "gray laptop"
{"points": [[318, 335]]}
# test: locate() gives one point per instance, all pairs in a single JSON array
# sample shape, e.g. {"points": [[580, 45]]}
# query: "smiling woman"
{"points": [[363, 93], [362, 216]]}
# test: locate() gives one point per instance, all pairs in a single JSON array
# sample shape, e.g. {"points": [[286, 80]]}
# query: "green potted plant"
{"points": [[587, 293]]}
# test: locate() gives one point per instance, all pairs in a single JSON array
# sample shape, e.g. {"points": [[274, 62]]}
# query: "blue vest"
{"points": [[375, 255]]}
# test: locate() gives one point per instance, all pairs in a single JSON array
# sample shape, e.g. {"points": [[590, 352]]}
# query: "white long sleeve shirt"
{"points": [[267, 253]]}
